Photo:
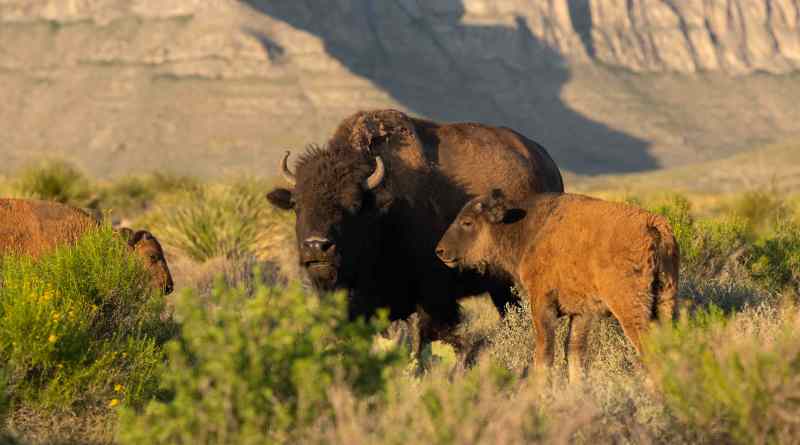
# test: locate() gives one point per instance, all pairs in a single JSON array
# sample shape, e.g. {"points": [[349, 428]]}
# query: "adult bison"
{"points": [[374, 202], [33, 227]]}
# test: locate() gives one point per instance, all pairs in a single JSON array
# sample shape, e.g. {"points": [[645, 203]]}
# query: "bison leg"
{"points": [[633, 311], [577, 339], [545, 317]]}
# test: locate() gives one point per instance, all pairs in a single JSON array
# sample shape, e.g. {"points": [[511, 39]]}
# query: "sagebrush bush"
{"points": [[55, 181], [80, 326], [775, 260], [214, 221], [761, 209], [707, 246], [257, 368], [484, 405], [731, 380], [133, 194]]}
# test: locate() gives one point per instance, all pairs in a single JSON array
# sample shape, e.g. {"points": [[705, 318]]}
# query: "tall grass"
{"points": [[214, 221]]}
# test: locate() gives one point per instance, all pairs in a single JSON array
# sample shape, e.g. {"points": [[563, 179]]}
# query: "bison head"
{"points": [[149, 250], [338, 197], [470, 241]]}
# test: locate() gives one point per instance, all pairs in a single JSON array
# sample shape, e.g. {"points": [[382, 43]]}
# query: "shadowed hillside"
{"points": [[223, 87], [435, 64]]}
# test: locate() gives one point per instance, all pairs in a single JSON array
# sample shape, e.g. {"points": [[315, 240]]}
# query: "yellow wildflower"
{"points": [[113, 403], [56, 316], [52, 338], [118, 388]]}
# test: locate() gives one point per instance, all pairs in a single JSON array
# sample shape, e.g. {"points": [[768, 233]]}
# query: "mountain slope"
{"points": [[224, 86]]}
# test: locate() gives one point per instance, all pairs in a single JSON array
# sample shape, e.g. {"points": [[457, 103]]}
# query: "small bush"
{"points": [[80, 326], [213, 221], [257, 368], [731, 380], [55, 181], [134, 194], [760, 209], [483, 405], [708, 246], [775, 261]]}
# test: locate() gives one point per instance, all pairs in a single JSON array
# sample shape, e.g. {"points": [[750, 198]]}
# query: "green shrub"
{"points": [[706, 246], [55, 181], [80, 326], [213, 221], [775, 261], [731, 380], [761, 210], [257, 368], [134, 194]]}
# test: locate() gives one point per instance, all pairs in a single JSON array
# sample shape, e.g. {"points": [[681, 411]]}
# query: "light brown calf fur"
{"points": [[575, 256], [34, 228]]}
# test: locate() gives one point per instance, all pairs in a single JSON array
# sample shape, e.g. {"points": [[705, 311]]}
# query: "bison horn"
{"points": [[376, 177], [287, 174]]}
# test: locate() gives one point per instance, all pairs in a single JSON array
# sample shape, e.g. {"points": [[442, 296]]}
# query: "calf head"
{"points": [[339, 196], [470, 241], [147, 247]]}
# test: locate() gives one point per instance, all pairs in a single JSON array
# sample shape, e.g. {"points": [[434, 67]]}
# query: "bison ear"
{"points": [[281, 198], [500, 211], [139, 236], [125, 233], [514, 215]]}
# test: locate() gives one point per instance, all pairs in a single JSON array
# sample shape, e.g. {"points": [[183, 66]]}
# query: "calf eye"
{"points": [[466, 223], [154, 258]]}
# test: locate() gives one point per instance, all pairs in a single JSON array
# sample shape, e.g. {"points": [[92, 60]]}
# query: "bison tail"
{"points": [[665, 281]]}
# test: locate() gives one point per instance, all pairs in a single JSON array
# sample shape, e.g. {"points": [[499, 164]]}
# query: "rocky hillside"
{"points": [[213, 87]]}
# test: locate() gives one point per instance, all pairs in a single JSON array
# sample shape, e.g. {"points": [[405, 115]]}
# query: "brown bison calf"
{"points": [[574, 256], [34, 228]]}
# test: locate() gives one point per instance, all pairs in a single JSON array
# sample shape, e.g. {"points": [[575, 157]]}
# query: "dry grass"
{"points": [[496, 402]]}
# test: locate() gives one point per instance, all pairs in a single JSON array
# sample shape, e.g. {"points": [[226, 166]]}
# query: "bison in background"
{"points": [[32, 227], [574, 256], [374, 202]]}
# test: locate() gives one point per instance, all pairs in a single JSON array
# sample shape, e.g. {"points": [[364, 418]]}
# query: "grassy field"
{"points": [[241, 354]]}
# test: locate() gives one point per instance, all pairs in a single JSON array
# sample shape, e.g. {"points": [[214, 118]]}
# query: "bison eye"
{"points": [[466, 223], [154, 258]]}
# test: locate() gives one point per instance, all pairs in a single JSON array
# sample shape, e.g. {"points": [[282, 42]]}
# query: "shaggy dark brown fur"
{"points": [[574, 256], [379, 243], [34, 228]]}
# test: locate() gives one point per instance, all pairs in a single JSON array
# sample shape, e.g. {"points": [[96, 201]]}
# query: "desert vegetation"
{"points": [[242, 353]]}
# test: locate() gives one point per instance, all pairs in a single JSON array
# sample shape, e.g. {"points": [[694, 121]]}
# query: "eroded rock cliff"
{"points": [[213, 86]]}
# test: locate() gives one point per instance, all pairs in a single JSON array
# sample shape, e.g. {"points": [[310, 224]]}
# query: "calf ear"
{"points": [[281, 198], [126, 234], [514, 215]]}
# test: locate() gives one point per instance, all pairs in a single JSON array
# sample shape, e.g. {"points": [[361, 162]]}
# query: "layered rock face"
{"points": [[215, 86], [733, 36]]}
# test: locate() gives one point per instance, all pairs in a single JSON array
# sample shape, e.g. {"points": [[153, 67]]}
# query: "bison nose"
{"points": [[440, 252], [318, 244]]}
